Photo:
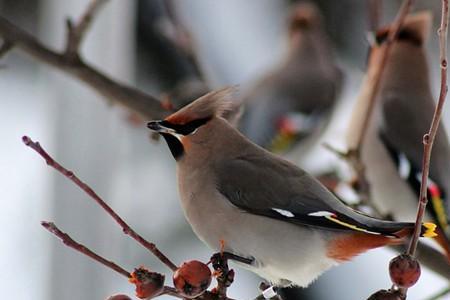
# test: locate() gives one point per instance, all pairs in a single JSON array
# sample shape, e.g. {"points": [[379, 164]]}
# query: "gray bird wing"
{"points": [[266, 185], [403, 127]]}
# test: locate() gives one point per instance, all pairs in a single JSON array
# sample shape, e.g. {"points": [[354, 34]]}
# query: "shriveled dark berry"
{"points": [[148, 284]]}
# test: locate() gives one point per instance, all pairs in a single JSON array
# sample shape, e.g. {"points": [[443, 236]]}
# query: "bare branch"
{"points": [[76, 33], [88, 190], [145, 105], [223, 283], [69, 242], [429, 137]]}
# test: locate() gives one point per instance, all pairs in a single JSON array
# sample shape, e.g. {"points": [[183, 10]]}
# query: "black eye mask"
{"points": [[403, 35], [175, 146], [187, 128]]}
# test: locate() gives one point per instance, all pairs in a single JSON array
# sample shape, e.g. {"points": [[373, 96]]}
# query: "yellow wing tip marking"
{"points": [[430, 230]]}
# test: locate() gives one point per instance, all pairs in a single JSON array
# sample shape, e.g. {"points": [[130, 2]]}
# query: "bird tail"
{"points": [[346, 246], [428, 230]]}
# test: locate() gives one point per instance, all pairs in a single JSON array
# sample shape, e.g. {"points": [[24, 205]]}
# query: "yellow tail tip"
{"points": [[429, 230]]}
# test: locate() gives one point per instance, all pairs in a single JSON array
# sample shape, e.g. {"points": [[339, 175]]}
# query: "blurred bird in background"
{"points": [[391, 150], [293, 103]]}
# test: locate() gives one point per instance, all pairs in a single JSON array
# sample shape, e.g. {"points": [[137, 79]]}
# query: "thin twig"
{"points": [[88, 190], [143, 104], [69, 242], [76, 33], [429, 137]]}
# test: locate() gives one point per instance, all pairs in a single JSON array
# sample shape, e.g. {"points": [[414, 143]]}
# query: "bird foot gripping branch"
{"points": [[224, 275]]}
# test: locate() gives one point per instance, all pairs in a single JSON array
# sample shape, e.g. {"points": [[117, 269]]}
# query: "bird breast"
{"points": [[282, 252]]}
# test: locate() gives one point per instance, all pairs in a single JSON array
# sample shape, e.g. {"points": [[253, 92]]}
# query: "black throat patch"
{"points": [[175, 146]]}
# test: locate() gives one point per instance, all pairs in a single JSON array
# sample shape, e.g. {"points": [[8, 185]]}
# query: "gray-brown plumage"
{"points": [[260, 205], [392, 148], [294, 101]]}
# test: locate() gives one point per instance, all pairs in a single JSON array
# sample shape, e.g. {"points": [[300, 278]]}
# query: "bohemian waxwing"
{"points": [[260, 206], [392, 146], [295, 100]]}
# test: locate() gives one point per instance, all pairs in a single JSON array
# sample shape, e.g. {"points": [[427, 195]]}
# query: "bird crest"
{"points": [[415, 28], [218, 103], [304, 15]]}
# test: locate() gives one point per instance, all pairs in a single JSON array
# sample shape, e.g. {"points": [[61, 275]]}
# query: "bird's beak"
{"points": [[158, 127]]}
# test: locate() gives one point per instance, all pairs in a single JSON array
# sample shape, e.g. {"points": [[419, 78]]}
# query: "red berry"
{"points": [[192, 279], [404, 270], [148, 284]]}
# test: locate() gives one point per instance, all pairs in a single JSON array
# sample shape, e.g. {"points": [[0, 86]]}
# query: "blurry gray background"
{"points": [[237, 41]]}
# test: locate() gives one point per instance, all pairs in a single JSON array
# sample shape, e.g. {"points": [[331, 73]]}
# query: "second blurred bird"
{"points": [[391, 149], [292, 104]]}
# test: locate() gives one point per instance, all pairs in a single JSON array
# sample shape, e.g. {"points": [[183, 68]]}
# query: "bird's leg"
{"points": [[225, 275], [269, 292]]}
